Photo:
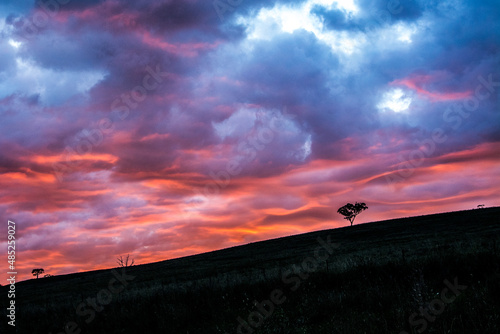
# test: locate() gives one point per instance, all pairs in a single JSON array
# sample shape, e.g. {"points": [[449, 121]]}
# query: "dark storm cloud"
{"points": [[71, 5]]}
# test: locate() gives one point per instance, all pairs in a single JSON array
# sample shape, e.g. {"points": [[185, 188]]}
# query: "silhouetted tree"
{"points": [[37, 272], [124, 262], [350, 211]]}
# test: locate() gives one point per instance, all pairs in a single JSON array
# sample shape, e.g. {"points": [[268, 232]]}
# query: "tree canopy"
{"points": [[37, 272], [350, 211]]}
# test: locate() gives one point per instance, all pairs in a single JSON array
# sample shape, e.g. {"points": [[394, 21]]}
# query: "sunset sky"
{"points": [[167, 128]]}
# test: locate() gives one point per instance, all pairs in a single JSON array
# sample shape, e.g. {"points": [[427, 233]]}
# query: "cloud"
{"points": [[257, 123]]}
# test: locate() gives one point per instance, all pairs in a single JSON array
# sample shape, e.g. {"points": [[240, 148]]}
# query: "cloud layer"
{"points": [[168, 128]]}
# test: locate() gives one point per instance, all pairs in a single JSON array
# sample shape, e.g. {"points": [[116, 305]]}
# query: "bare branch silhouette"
{"points": [[124, 262]]}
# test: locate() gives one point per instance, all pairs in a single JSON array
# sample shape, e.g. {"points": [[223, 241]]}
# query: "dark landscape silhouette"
{"points": [[392, 276]]}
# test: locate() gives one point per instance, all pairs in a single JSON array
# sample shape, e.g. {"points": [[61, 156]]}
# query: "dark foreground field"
{"points": [[428, 274]]}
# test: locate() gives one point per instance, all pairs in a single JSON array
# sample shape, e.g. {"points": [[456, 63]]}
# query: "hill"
{"points": [[370, 278]]}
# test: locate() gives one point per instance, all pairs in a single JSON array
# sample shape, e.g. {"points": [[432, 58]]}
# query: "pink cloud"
{"points": [[420, 84]]}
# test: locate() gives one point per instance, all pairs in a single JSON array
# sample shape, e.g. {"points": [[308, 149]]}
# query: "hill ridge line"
{"points": [[403, 221]]}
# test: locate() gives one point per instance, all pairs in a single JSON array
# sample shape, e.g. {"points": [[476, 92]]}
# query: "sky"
{"points": [[168, 128]]}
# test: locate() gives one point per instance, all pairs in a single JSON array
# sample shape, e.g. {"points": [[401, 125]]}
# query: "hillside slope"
{"points": [[406, 246]]}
